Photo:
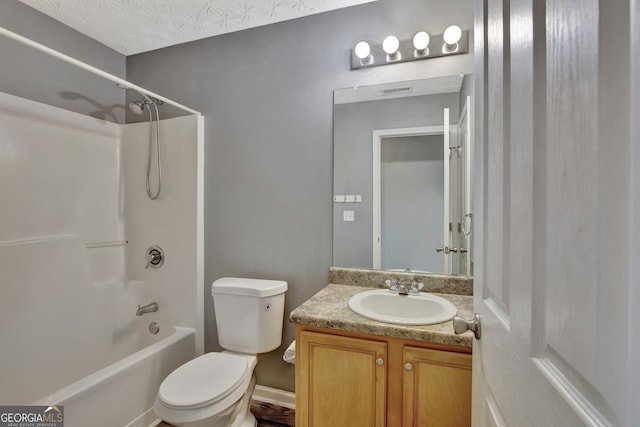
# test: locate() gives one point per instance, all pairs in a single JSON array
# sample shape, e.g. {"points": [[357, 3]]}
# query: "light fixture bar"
{"points": [[407, 52]]}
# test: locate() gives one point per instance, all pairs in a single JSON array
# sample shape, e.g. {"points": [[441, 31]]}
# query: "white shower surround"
{"points": [[73, 188]]}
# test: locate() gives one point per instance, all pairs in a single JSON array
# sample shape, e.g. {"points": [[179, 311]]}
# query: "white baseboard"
{"points": [[275, 396], [147, 418]]}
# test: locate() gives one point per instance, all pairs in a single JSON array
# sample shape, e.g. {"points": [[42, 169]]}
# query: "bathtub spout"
{"points": [[149, 308]]}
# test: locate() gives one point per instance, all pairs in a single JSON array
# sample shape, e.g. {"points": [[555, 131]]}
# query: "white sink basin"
{"points": [[384, 306]]}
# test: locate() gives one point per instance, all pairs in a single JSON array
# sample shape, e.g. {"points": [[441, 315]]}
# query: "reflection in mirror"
{"points": [[402, 188]]}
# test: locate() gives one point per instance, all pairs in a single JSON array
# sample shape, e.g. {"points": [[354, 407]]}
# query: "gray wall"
{"points": [[412, 202], [266, 94], [353, 163], [30, 74]]}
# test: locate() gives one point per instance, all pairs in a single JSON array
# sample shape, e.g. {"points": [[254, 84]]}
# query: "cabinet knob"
{"points": [[380, 361], [408, 366]]}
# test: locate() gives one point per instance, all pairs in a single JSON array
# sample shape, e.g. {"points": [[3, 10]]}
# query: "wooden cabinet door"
{"points": [[340, 381], [436, 388]]}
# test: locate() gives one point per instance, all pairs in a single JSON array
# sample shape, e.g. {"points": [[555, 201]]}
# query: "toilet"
{"points": [[214, 390]]}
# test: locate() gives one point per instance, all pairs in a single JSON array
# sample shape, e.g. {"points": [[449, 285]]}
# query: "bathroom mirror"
{"points": [[401, 182]]}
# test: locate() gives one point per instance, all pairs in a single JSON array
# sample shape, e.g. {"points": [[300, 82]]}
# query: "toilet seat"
{"points": [[204, 380]]}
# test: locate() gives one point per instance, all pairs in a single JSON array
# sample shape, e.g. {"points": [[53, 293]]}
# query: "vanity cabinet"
{"points": [[351, 379], [340, 380], [436, 388]]}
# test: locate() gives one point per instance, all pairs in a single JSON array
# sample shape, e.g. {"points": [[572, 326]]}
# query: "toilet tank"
{"points": [[249, 313]]}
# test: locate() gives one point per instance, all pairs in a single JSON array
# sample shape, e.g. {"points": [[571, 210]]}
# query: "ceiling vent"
{"points": [[396, 91]]}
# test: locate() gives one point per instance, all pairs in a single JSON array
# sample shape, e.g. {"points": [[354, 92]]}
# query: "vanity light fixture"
{"points": [[451, 38], [363, 51], [392, 50], [421, 42], [390, 45]]}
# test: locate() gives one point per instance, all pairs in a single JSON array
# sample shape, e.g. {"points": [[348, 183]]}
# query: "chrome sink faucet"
{"points": [[149, 308], [396, 287]]}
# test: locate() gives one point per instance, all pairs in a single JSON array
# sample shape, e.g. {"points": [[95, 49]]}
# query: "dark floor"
{"points": [[261, 423]]}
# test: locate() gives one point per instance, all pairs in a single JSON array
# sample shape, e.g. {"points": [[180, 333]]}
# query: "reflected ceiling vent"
{"points": [[397, 90]]}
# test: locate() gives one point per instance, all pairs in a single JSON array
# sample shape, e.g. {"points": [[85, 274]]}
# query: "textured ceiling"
{"points": [[135, 26]]}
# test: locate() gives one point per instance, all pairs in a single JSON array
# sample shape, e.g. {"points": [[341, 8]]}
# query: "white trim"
{"points": [[377, 226], [378, 135], [68, 59], [200, 236], [446, 239], [275, 396], [143, 419], [633, 409]]}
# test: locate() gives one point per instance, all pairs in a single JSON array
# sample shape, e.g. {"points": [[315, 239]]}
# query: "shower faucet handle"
{"points": [[155, 257]]}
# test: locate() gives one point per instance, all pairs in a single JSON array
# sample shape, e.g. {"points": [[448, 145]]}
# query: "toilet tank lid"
{"points": [[250, 287]]}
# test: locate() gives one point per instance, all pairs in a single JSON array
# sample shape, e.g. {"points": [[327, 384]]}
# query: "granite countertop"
{"points": [[328, 309], [433, 283]]}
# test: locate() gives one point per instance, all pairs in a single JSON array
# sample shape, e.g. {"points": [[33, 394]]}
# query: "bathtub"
{"points": [[123, 393]]}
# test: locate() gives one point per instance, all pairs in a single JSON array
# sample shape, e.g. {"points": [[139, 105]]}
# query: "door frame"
{"points": [[378, 135], [634, 270]]}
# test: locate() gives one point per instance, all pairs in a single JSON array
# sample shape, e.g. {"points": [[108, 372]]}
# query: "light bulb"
{"points": [[362, 50], [390, 45], [452, 35], [421, 40]]}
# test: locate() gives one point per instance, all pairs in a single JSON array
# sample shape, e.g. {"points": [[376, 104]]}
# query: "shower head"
{"points": [[137, 107]]}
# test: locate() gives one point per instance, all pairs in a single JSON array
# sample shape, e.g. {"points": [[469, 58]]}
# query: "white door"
{"points": [[557, 179], [446, 238], [454, 157]]}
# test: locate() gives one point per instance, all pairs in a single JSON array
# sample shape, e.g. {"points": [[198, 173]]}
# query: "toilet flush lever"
{"points": [[460, 325]]}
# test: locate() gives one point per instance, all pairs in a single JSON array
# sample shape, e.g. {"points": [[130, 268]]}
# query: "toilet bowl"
{"points": [[214, 390], [209, 391]]}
